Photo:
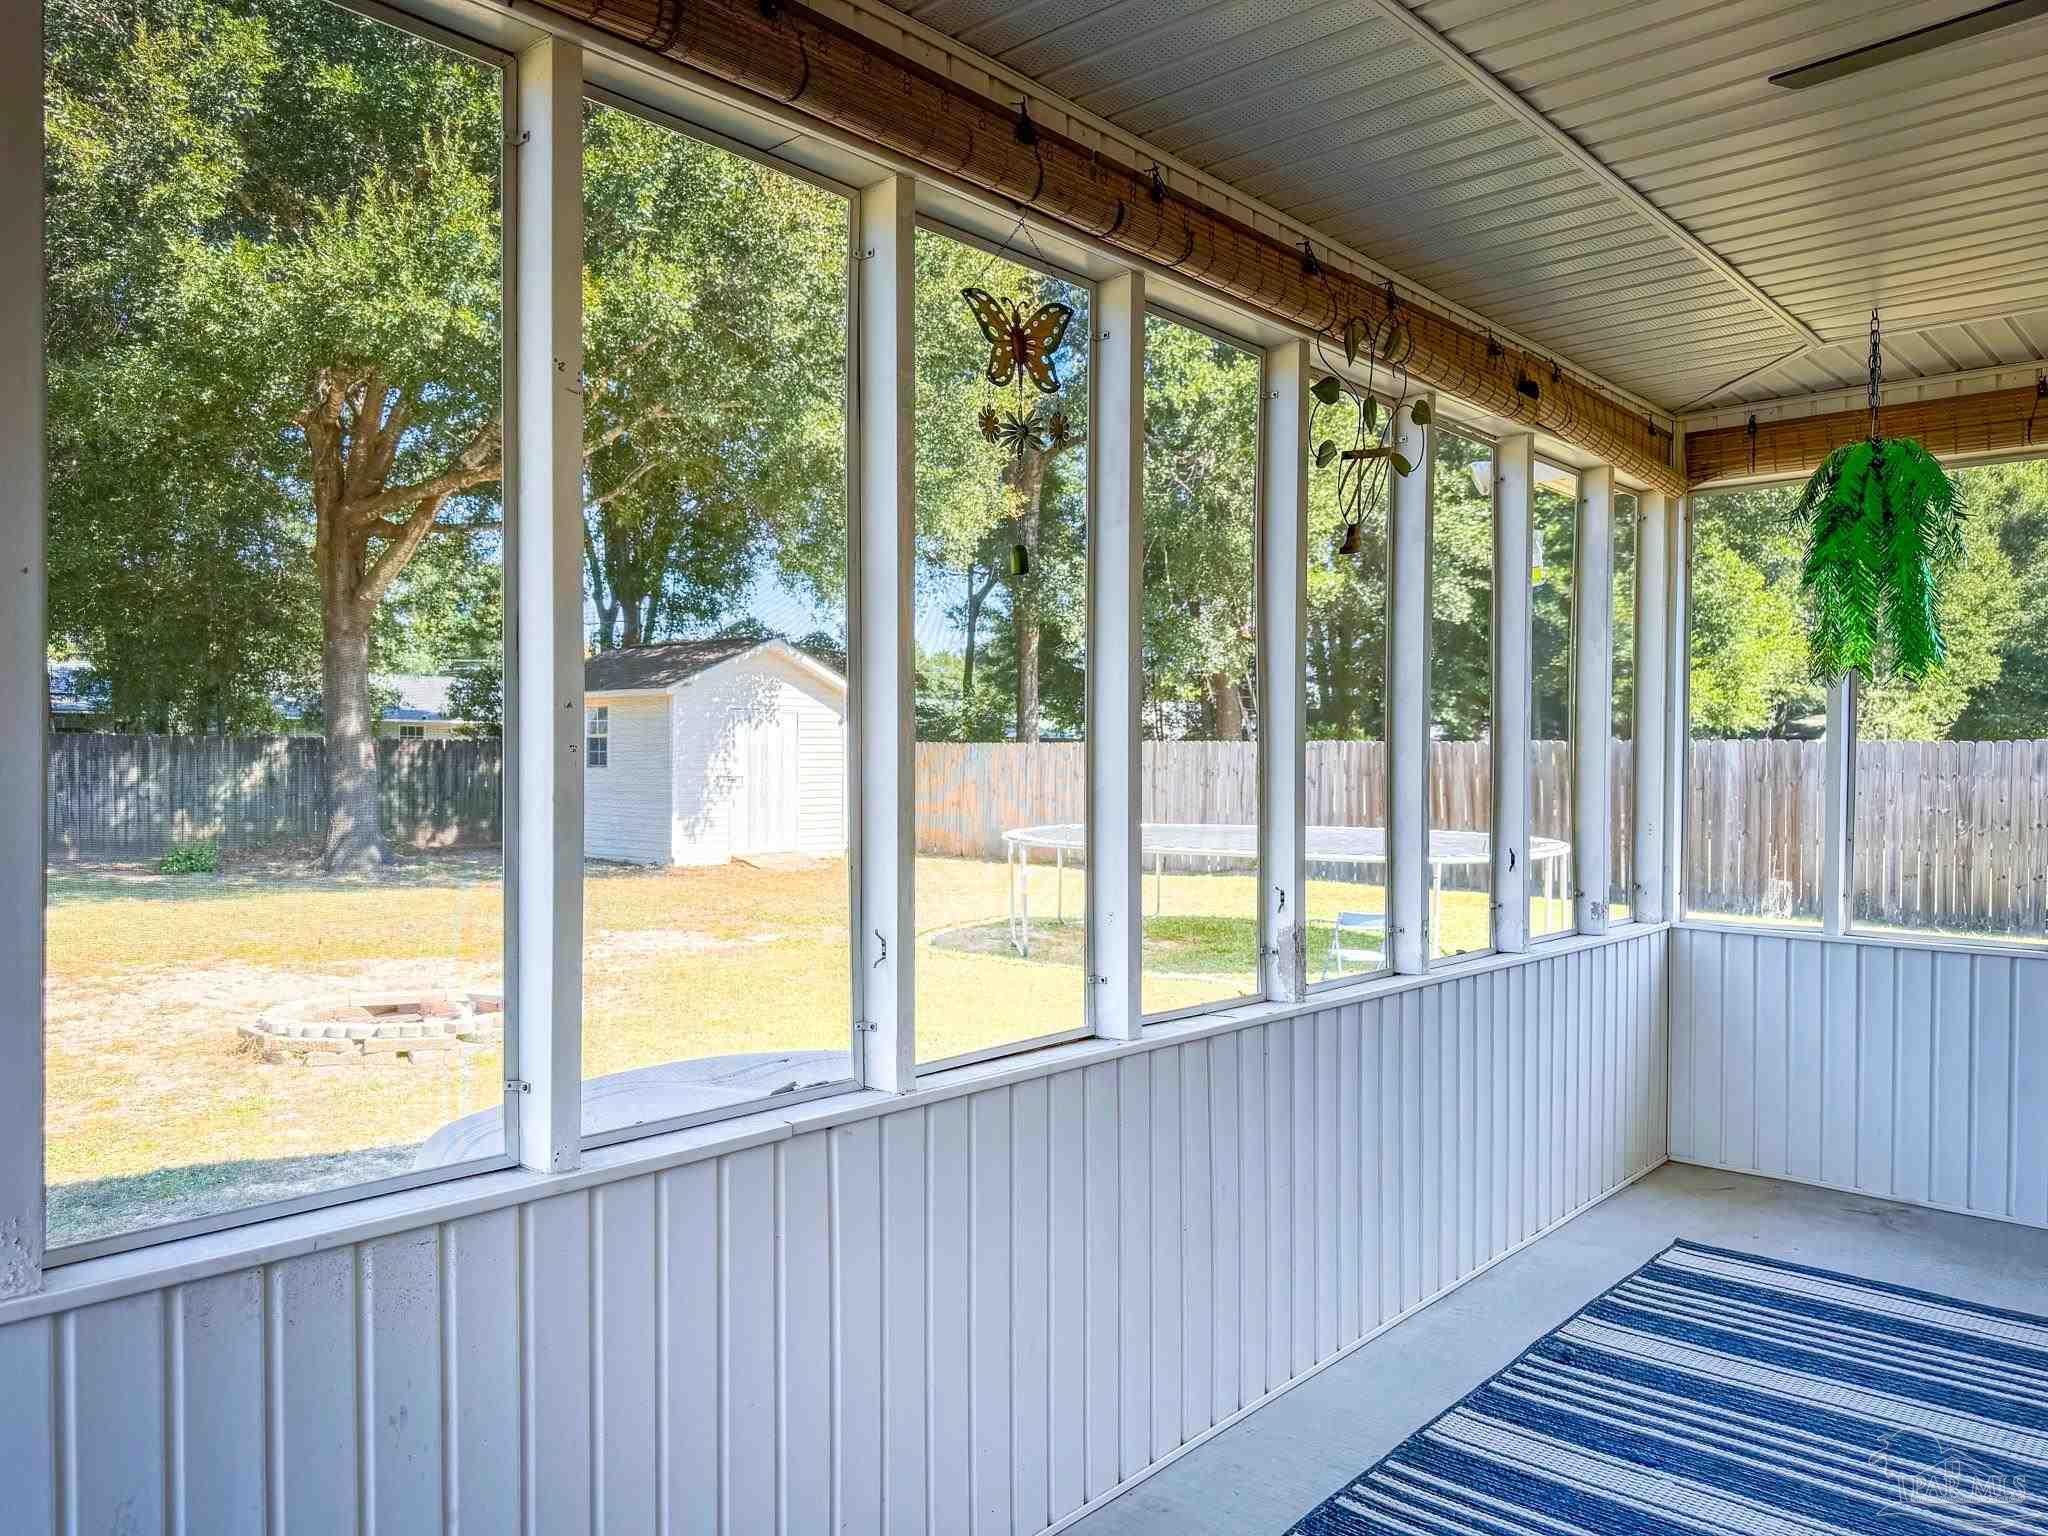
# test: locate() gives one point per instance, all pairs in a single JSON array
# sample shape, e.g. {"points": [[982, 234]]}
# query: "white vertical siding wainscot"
{"points": [[966, 1311], [1911, 1073]]}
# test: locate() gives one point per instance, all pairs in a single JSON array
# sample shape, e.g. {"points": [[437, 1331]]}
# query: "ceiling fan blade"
{"points": [[1907, 44]]}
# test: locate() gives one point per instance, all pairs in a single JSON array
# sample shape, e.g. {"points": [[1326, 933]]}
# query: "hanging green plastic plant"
{"points": [[1883, 531]]}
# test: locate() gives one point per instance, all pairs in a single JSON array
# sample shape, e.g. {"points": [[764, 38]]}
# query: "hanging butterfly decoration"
{"points": [[1021, 352], [1020, 348]]}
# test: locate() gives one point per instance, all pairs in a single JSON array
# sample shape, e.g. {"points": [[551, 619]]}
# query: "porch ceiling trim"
{"points": [[813, 65], [1484, 80]]}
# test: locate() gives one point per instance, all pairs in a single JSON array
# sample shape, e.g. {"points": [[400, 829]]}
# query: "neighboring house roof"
{"points": [[419, 697], [653, 668], [75, 689]]}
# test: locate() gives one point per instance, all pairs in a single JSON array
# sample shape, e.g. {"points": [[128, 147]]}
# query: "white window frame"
{"points": [[1640, 659], [1838, 791], [1514, 486], [1262, 877], [927, 224], [688, 127], [24, 679], [1509, 649], [1658, 662], [597, 736], [1592, 652], [13, 1189], [1577, 664], [546, 742], [1389, 878]]}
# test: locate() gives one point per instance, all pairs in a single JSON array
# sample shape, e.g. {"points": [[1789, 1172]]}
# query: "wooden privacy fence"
{"points": [[1753, 828], [1950, 834], [133, 797], [1947, 834], [969, 794]]}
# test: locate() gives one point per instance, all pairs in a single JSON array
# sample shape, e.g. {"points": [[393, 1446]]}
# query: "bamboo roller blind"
{"points": [[811, 63], [1996, 421]]}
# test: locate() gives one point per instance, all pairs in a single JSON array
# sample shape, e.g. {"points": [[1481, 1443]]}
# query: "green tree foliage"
{"points": [[1461, 590], [1002, 652], [1346, 623], [1627, 546], [1201, 523], [276, 407], [1749, 673], [175, 556], [1553, 550], [1749, 661], [274, 352], [476, 697], [715, 296]]}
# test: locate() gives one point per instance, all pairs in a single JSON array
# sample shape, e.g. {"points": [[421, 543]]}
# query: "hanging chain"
{"points": [[1876, 375]]}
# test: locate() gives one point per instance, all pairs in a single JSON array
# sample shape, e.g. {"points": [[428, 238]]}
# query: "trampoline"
{"points": [[1161, 840]]}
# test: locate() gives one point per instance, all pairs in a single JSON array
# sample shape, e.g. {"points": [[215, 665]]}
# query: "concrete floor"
{"points": [[1261, 1475]]}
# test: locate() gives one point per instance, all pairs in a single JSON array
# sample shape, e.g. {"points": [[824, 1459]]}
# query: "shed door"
{"points": [[765, 807]]}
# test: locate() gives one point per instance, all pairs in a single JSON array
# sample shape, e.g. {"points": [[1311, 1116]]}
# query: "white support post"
{"points": [[1514, 475], [1646, 889], [1410, 502], [1283, 647], [24, 684], [1677, 664], [884, 709], [545, 501], [1838, 850], [1592, 696], [1116, 905]]}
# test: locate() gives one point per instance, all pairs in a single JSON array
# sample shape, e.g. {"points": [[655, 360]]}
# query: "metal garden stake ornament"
{"points": [[1363, 465]]}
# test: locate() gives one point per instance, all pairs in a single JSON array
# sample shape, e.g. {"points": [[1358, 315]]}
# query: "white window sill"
{"points": [[270, 1240]]}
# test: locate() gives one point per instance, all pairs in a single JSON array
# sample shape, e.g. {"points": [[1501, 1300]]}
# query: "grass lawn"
{"points": [[158, 1110]]}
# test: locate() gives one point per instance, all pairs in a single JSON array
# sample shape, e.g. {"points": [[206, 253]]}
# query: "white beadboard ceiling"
{"points": [[1613, 179]]}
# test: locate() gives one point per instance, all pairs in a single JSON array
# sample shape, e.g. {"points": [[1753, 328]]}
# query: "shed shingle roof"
{"points": [[659, 666]]}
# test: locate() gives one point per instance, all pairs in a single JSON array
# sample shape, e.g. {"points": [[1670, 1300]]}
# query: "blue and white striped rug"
{"points": [[1717, 1392]]}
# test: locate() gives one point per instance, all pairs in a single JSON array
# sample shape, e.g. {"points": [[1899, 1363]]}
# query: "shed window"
{"points": [[597, 736]]}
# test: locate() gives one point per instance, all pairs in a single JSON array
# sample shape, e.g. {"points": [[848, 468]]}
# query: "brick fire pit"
{"points": [[382, 1029]]}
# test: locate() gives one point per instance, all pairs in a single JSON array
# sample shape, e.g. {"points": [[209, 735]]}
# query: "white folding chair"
{"points": [[1353, 926]]}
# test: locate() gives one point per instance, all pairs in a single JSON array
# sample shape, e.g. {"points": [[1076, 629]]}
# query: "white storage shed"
{"points": [[700, 751]]}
